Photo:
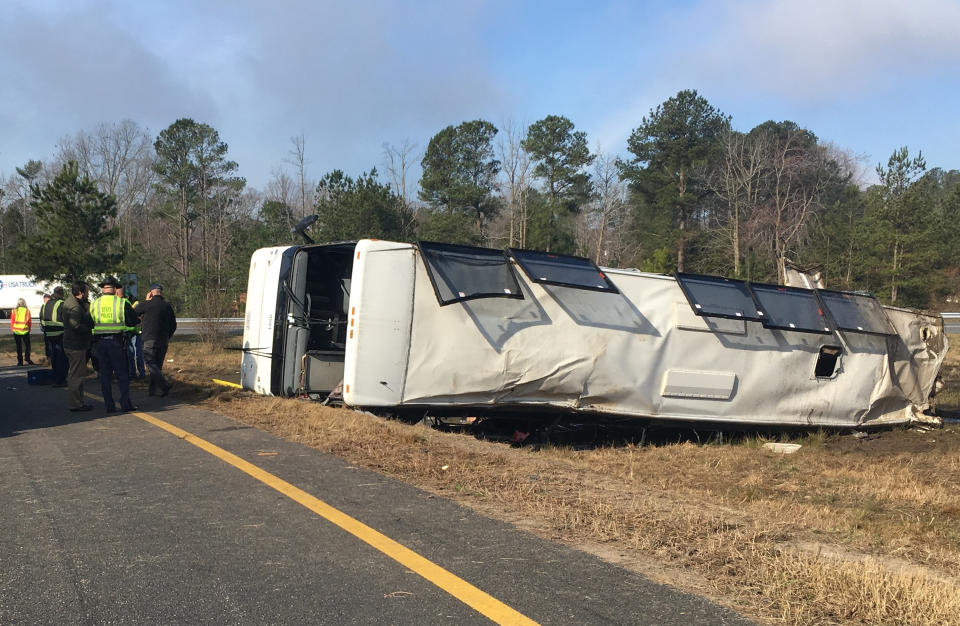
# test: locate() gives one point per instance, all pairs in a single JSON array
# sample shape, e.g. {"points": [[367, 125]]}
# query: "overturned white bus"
{"points": [[446, 327]]}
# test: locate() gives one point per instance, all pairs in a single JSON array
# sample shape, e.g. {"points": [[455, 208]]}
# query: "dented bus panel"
{"points": [[445, 327]]}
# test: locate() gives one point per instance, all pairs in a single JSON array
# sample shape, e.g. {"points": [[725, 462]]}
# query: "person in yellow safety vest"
{"points": [[51, 321], [21, 324], [134, 343], [112, 316]]}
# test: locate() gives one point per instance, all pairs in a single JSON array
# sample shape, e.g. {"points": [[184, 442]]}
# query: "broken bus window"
{"points": [[460, 273], [859, 313], [827, 360], [790, 308], [715, 296], [563, 270]]}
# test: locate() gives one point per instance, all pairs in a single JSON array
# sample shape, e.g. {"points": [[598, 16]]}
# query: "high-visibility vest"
{"points": [[107, 314], [20, 321], [129, 329], [52, 327]]}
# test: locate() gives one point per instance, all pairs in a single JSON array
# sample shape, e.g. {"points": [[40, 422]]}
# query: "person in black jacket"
{"points": [[157, 324], [77, 327]]}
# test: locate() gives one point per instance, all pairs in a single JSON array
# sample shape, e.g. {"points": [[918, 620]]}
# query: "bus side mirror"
{"points": [[303, 225]]}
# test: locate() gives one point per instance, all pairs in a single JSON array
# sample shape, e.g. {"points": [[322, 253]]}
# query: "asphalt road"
{"points": [[114, 519], [951, 323]]}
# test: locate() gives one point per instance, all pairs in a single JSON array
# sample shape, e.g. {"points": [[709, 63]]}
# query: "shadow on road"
{"points": [[27, 407]]}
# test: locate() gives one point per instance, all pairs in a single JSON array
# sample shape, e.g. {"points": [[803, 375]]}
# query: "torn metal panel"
{"points": [[807, 277], [916, 352]]}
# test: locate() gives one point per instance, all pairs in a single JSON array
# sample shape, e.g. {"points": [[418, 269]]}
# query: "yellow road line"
{"points": [[226, 383], [460, 589]]}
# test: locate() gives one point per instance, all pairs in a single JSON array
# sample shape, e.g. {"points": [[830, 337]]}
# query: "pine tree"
{"points": [[671, 148], [74, 237]]}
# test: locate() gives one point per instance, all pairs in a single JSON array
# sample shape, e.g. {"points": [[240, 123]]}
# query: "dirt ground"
{"points": [[884, 443]]}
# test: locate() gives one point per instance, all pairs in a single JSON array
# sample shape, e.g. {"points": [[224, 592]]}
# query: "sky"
{"points": [[869, 76]]}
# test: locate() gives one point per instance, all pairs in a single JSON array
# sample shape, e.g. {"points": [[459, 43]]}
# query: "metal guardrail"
{"points": [[186, 325], [219, 320], [950, 316]]}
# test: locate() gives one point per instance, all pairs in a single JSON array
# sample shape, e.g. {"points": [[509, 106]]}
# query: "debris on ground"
{"points": [[782, 448]]}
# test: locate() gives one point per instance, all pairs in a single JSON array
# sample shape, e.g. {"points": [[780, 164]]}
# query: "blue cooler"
{"points": [[40, 377]]}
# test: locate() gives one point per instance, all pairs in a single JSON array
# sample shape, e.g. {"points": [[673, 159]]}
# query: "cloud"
{"points": [[819, 50], [842, 68], [69, 69], [351, 76]]}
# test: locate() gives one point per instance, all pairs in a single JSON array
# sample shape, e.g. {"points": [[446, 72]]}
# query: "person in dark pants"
{"points": [[43, 329], [77, 327], [51, 320], [20, 325], [134, 345], [157, 324], [112, 316]]}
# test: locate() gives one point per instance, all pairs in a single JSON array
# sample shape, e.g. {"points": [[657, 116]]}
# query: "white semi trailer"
{"points": [[16, 286], [452, 328]]}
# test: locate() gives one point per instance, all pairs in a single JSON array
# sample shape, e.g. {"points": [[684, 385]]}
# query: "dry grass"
{"points": [[845, 531]]}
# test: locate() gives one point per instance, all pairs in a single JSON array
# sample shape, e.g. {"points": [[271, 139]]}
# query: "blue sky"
{"points": [[868, 76]]}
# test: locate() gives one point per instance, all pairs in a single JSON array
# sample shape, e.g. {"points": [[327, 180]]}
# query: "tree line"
{"points": [[692, 195]]}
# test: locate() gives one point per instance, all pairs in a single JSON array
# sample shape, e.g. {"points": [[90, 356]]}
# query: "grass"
{"points": [[844, 531]]}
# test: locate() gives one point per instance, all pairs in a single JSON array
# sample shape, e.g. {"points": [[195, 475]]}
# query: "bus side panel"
{"points": [[263, 287], [381, 314]]}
